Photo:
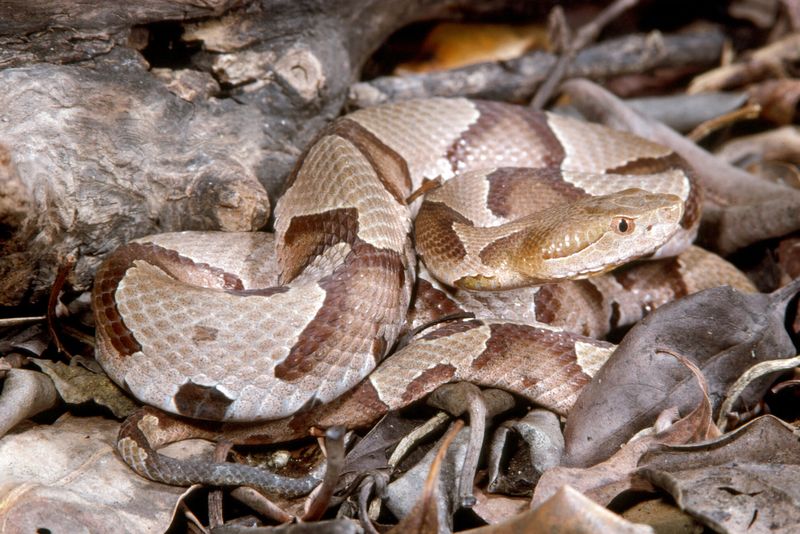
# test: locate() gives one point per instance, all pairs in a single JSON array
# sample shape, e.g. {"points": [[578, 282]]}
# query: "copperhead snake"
{"points": [[208, 328]]}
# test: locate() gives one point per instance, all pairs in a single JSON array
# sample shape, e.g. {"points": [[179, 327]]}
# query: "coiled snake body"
{"points": [[207, 328]]}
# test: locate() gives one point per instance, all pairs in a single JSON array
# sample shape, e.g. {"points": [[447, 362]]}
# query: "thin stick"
{"points": [[586, 35], [334, 447], [52, 302]]}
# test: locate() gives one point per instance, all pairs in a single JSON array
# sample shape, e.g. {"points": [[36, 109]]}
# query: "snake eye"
{"points": [[623, 225]]}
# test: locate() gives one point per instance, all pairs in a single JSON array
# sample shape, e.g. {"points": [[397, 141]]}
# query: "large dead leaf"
{"points": [[66, 477], [748, 480], [568, 511], [720, 330], [604, 481]]}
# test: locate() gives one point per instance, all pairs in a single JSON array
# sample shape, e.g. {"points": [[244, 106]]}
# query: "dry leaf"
{"points": [[722, 331], [451, 45], [32, 340], [498, 508], [514, 470], [567, 511], [748, 480], [331, 526], [371, 452], [744, 381], [66, 477], [604, 481]]}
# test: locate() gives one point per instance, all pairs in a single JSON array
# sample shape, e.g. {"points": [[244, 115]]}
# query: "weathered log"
{"points": [[107, 154], [517, 79], [108, 150], [67, 31]]}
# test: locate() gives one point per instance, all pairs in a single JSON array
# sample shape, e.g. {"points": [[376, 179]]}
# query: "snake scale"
{"points": [[217, 329]]}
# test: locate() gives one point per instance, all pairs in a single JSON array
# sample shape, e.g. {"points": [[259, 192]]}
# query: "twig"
{"points": [[376, 482], [408, 336], [261, 504], [215, 514], [52, 303], [14, 321], [334, 446], [684, 112], [749, 112], [586, 35], [194, 523], [456, 399], [771, 60], [426, 187]]}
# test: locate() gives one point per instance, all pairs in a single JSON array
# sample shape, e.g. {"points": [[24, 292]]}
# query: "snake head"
{"points": [[596, 234]]}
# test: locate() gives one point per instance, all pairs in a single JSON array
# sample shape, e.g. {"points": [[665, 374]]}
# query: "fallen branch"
{"points": [[516, 80]]}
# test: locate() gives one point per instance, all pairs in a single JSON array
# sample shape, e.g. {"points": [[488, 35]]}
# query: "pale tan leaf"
{"points": [[566, 511]]}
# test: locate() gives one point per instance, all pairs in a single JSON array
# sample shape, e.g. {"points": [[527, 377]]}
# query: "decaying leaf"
{"points": [[77, 385], [745, 481], [722, 331], [567, 511], [66, 477]]}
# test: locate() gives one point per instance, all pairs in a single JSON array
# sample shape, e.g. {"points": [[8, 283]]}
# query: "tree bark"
{"points": [[108, 148]]}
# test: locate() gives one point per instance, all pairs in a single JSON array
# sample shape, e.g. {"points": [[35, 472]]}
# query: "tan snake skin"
{"points": [[208, 329]]}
